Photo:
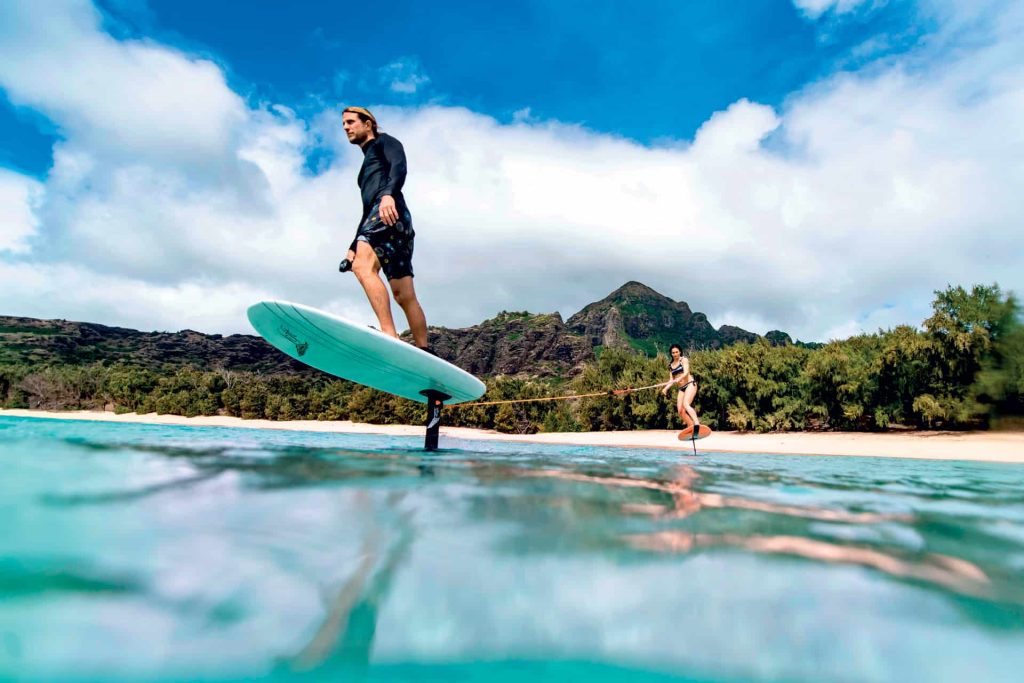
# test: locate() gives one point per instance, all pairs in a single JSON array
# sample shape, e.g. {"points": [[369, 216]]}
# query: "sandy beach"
{"points": [[1006, 447]]}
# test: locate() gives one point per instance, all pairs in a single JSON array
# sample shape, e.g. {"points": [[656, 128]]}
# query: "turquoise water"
{"points": [[136, 552]]}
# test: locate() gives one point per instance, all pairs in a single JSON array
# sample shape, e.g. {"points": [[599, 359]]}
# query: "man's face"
{"points": [[357, 131]]}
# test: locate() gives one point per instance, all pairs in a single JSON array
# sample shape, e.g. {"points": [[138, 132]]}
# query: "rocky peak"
{"points": [[778, 338], [638, 317]]}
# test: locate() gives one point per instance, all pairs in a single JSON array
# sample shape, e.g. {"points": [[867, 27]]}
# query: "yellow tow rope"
{"points": [[609, 392]]}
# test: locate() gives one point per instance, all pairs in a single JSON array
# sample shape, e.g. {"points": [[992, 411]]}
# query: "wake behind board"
{"points": [[703, 432], [360, 354]]}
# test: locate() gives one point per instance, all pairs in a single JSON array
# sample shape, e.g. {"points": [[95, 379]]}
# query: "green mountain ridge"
{"points": [[512, 343], [963, 367]]}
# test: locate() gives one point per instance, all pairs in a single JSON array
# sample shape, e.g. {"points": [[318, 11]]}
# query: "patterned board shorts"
{"points": [[392, 243]]}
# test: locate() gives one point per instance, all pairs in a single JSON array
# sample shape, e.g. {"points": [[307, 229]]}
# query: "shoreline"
{"points": [[1002, 447]]}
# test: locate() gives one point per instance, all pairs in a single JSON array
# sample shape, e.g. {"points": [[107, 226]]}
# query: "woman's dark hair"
{"points": [[675, 346]]}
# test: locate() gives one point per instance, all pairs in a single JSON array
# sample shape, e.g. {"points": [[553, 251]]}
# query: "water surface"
{"points": [[142, 552]]}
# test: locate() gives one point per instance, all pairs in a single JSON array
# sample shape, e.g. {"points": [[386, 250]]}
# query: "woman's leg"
{"points": [[681, 407], [686, 398]]}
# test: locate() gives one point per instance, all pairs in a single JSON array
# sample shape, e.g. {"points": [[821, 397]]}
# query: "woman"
{"points": [[679, 373]]}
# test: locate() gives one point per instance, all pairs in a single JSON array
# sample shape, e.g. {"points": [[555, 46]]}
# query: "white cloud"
{"points": [[890, 184], [814, 9], [404, 76], [78, 293], [18, 197], [119, 98]]}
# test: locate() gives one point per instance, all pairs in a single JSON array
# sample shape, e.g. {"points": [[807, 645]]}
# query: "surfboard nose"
{"points": [[355, 352]]}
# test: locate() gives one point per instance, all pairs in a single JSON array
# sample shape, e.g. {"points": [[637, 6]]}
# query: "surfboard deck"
{"points": [[359, 353], [703, 432]]}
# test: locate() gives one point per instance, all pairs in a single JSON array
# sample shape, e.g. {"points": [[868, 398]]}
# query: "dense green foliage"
{"points": [[965, 368]]}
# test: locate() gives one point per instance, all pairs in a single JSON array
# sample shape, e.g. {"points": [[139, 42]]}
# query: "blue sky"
{"points": [[652, 72], [816, 166]]}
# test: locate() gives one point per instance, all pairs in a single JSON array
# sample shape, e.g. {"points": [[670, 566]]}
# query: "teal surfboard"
{"points": [[359, 353]]}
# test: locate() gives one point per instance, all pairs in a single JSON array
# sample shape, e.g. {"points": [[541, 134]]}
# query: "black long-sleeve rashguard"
{"points": [[382, 173]]}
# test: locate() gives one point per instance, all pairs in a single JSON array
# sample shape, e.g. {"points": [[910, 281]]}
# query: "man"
{"points": [[384, 239]]}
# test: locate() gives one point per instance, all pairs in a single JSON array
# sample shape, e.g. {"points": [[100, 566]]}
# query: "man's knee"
{"points": [[365, 265], [402, 296], [403, 293], [363, 271]]}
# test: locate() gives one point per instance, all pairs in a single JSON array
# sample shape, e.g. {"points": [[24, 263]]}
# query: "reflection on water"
{"points": [[166, 552], [685, 501]]}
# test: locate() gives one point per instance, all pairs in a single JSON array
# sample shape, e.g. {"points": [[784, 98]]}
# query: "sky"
{"points": [[816, 166]]}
